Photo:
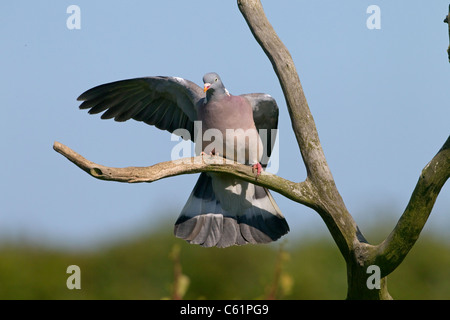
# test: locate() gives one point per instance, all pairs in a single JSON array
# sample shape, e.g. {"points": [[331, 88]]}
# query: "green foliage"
{"points": [[160, 266]]}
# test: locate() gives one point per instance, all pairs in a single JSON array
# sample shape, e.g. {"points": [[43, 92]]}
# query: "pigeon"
{"points": [[221, 210]]}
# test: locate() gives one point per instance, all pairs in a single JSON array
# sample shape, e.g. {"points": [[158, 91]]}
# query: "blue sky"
{"points": [[380, 99]]}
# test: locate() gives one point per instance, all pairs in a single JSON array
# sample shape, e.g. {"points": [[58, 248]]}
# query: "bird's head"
{"points": [[213, 83]]}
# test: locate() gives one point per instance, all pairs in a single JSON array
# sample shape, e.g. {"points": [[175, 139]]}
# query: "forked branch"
{"points": [[318, 191], [357, 253]]}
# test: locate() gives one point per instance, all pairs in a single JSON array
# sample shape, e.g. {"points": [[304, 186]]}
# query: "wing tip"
{"points": [[82, 97]]}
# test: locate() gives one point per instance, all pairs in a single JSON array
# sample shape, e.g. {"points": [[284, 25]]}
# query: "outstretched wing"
{"points": [[265, 115], [169, 103]]}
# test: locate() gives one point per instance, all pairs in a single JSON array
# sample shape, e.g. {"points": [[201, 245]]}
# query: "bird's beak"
{"points": [[206, 87]]}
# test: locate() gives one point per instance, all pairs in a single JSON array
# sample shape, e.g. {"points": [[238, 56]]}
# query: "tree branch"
{"points": [[353, 246], [447, 20], [301, 117], [391, 252], [331, 206], [299, 192]]}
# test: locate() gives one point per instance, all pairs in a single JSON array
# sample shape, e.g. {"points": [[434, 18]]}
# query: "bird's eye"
{"points": [[215, 79]]}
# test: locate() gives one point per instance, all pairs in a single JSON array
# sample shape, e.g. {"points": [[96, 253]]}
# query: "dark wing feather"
{"points": [[169, 103], [265, 115]]}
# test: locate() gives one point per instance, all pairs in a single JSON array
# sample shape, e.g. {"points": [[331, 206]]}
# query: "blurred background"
{"points": [[379, 98]]}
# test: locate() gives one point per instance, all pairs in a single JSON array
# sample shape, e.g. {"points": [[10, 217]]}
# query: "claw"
{"points": [[211, 153]]}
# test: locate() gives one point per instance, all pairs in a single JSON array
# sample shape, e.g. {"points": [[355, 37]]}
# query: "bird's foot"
{"points": [[211, 154], [258, 167]]}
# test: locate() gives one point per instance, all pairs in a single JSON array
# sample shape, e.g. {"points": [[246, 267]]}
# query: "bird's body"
{"points": [[221, 210], [232, 116]]}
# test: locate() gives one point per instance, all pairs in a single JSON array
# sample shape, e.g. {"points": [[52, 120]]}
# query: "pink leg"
{"points": [[258, 167]]}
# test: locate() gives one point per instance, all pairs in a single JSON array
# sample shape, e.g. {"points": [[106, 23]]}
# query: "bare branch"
{"points": [[299, 192], [391, 252], [301, 117], [447, 20], [331, 206]]}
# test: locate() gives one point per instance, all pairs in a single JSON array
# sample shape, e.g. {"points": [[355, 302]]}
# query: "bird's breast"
{"points": [[230, 112], [228, 129]]}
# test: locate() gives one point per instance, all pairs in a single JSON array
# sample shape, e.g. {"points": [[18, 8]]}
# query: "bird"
{"points": [[221, 210]]}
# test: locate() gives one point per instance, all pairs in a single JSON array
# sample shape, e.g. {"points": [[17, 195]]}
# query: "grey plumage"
{"points": [[168, 103], [208, 220], [221, 210]]}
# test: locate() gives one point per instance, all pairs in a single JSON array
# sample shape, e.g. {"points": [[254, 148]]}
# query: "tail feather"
{"points": [[231, 235], [222, 211]]}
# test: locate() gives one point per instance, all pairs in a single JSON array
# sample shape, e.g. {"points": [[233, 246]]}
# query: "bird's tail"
{"points": [[223, 211]]}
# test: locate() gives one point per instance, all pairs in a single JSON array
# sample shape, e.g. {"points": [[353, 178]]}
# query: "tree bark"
{"points": [[319, 190]]}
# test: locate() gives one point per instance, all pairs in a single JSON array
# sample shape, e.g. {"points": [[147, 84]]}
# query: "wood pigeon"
{"points": [[221, 210]]}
